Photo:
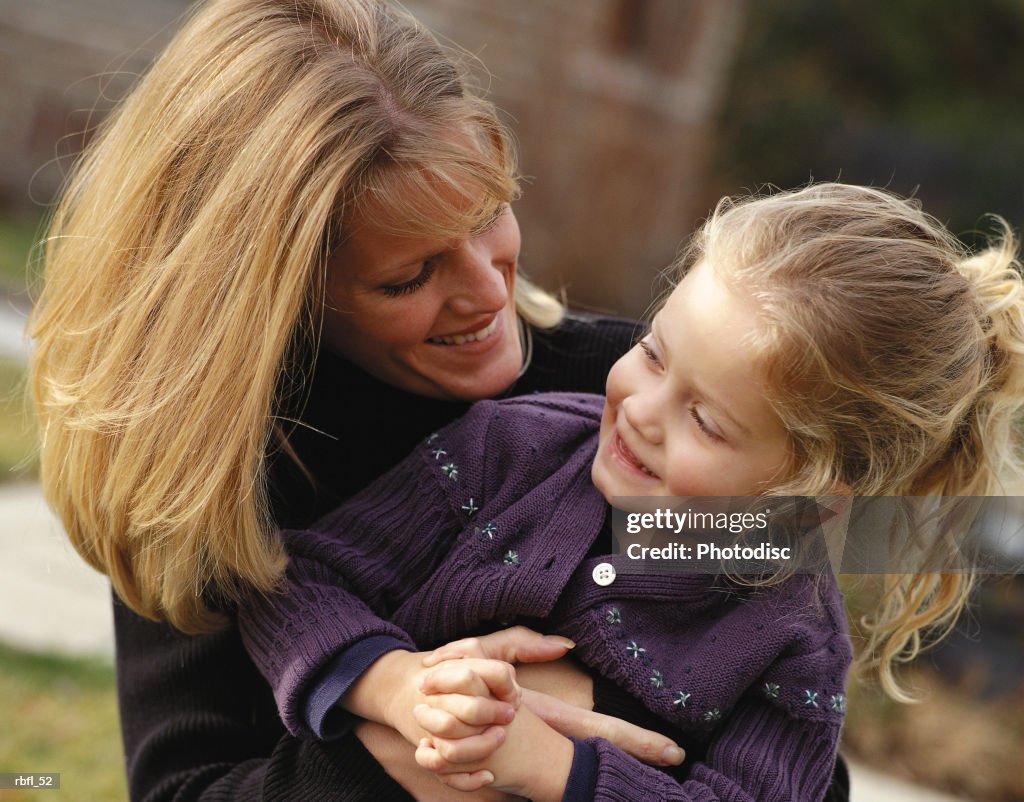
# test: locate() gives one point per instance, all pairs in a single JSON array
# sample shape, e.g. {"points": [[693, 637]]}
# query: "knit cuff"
{"points": [[322, 714], [621, 778], [579, 787]]}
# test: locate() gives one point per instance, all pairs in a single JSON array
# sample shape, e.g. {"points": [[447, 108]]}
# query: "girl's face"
{"points": [[435, 317], [686, 412]]}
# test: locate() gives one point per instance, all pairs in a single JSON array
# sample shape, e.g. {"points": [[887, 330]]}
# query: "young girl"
{"points": [[833, 340]]}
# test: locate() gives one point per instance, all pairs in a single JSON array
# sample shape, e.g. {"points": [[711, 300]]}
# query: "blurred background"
{"points": [[633, 118]]}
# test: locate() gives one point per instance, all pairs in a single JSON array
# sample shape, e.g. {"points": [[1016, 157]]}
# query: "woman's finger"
{"points": [[513, 645], [571, 721]]}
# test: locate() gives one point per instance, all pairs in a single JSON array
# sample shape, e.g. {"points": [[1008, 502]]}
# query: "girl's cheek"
{"points": [[618, 382]]}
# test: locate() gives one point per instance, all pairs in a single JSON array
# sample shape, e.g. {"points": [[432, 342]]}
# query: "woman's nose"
{"points": [[481, 284], [641, 412]]}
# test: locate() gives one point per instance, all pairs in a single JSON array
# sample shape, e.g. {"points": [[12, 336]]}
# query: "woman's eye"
{"points": [[413, 284], [702, 425], [649, 352]]}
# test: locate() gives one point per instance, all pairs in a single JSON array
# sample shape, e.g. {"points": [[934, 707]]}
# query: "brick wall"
{"points": [[62, 64], [613, 103]]}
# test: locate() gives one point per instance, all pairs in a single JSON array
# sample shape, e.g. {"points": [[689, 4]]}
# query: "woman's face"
{"points": [[435, 317]]}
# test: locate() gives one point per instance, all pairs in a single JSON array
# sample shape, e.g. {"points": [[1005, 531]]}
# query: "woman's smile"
{"points": [[470, 335]]}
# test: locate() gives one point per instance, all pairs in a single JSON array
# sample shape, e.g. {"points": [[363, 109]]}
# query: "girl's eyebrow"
{"points": [[706, 397]]}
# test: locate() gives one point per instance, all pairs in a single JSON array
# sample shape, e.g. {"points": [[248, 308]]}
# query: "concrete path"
{"points": [[13, 344], [49, 598]]}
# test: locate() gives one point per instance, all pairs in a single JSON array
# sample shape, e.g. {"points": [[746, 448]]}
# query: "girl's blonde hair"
{"points": [[895, 360], [184, 270]]}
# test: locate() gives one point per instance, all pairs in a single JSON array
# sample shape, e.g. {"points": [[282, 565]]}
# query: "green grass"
{"points": [[18, 452], [17, 236], [60, 715]]}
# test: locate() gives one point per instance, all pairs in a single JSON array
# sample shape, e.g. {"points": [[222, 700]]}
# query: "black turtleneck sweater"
{"points": [[198, 721]]}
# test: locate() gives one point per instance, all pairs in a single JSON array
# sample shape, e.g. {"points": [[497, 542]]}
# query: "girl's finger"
{"points": [[476, 711], [472, 749], [450, 756], [443, 724], [467, 781], [474, 677]]}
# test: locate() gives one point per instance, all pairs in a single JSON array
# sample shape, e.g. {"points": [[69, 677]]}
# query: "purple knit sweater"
{"points": [[492, 518]]}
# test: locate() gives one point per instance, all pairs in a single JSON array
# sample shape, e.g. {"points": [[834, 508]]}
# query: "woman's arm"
{"points": [[761, 754], [197, 720]]}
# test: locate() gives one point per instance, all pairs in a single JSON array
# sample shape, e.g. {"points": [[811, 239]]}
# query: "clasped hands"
{"points": [[474, 726]]}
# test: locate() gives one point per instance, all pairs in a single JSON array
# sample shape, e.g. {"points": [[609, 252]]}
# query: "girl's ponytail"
{"points": [[984, 460], [991, 437]]}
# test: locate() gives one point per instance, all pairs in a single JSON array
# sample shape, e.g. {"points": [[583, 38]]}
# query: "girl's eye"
{"points": [[695, 414], [413, 284], [649, 352]]}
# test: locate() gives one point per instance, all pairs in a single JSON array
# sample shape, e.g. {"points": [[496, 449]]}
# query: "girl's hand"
{"points": [[462, 698], [389, 691], [562, 681], [513, 768]]}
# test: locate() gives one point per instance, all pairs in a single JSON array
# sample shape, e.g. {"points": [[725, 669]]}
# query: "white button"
{"points": [[604, 574]]}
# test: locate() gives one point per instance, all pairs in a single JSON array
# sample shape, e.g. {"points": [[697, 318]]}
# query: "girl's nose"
{"points": [[641, 412]]}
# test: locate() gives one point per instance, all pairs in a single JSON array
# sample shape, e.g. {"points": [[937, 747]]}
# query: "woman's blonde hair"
{"points": [[184, 271], [895, 360]]}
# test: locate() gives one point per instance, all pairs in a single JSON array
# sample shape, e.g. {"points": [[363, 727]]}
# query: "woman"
{"points": [[285, 259]]}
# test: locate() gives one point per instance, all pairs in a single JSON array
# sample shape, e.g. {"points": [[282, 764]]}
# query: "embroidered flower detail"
{"points": [[838, 703], [511, 558], [681, 698], [470, 508], [771, 690], [449, 470], [657, 680], [635, 649], [438, 453], [810, 698], [713, 714], [431, 439], [613, 616], [489, 531]]}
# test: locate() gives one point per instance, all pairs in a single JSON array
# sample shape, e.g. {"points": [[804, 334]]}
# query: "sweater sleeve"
{"points": [[330, 619], [291, 636], [762, 754]]}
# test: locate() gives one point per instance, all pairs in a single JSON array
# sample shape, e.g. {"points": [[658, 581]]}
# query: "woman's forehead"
{"points": [[424, 203]]}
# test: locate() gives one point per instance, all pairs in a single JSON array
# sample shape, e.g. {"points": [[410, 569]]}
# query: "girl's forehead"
{"points": [[714, 319]]}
